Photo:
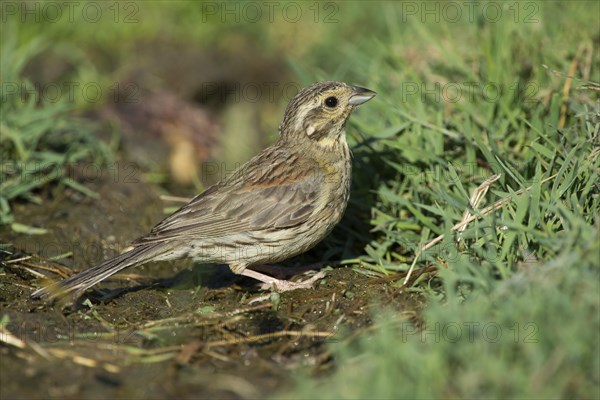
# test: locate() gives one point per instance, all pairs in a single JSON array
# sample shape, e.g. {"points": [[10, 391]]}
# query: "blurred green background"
{"points": [[188, 90]]}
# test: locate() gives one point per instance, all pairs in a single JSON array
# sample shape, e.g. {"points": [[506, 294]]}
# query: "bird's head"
{"points": [[318, 113]]}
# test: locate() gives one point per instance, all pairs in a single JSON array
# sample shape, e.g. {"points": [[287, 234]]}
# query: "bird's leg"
{"points": [[280, 285]]}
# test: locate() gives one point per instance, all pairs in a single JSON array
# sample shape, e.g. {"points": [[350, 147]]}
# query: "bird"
{"points": [[279, 204]]}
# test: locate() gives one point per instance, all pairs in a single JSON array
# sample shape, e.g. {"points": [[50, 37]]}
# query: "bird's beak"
{"points": [[361, 95]]}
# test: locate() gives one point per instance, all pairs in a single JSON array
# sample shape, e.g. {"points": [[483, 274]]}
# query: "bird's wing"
{"points": [[275, 196]]}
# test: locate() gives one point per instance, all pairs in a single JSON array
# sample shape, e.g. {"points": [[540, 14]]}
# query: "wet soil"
{"points": [[178, 330]]}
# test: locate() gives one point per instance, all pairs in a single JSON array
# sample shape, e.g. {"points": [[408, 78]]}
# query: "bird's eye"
{"points": [[331, 102]]}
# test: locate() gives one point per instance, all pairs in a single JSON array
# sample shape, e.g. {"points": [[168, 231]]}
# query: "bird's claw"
{"points": [[280, 285]]}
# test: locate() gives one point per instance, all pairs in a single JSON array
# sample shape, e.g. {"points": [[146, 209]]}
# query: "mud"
{"points": [[165, 329]]}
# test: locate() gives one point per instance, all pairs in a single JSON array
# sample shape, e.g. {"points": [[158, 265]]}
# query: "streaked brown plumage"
{"points": [[279, 204]]}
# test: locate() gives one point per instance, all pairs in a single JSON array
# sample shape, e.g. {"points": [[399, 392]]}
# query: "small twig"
{"points": [[7, 337], [216, 355], [395, 277], [266, 336], [485, 212], [56, 270], [10, 339], [412, 266], [465, 221], [476, 196], [31, 271], [84, 361], [249, 309], [17, 260], [567, 88]]}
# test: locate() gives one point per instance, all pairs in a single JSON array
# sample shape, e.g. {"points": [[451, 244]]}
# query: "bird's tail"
{"points": [[79, 283]]}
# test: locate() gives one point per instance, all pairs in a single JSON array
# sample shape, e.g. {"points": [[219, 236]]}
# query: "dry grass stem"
{"points": [[478, 195]]}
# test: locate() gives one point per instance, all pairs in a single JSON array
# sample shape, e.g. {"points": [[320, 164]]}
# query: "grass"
{"points": [[41, 138], [533, 335], [529, 272], [457, 104]]}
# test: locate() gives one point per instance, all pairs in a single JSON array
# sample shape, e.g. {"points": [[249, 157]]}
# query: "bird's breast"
{"points": [[335, 190]]}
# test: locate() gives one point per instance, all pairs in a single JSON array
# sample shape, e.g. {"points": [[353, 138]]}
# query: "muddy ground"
{"points": [[164, 329]]}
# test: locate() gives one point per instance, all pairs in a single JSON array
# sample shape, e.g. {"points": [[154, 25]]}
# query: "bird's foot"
{"points": [[280, 285]]}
